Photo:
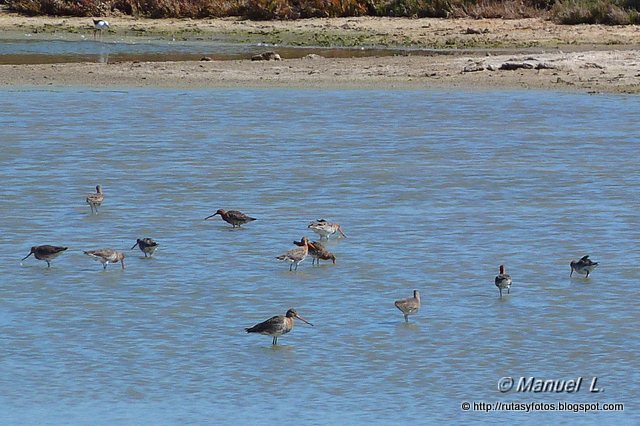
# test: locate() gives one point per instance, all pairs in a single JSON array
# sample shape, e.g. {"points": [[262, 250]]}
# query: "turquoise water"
{"points": [[434, 189]]}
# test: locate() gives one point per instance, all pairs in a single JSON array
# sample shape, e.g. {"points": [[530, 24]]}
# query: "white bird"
{"points": [[99, 25]]}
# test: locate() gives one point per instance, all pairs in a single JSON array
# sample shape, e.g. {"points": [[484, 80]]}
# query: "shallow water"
{"points": [[434, 189], [28, 49], [17, 48]]}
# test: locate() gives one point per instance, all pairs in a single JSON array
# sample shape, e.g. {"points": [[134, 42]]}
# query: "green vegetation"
{"points": [[609, 12]]}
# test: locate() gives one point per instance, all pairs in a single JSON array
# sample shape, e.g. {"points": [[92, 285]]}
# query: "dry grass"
{"points": [[606, 12], [611, 12]]}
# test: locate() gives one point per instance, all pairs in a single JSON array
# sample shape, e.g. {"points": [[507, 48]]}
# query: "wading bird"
{"points": [[318, 251], [409, 306], [277, 326], [296, 255], [99, 25], [233, 217], [106, 256], [146, 245], [583, 266], [95, 200], [503, 280], [325, 229], [46, 253]]}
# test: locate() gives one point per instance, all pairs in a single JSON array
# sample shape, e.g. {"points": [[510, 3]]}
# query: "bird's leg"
{"points": [[406, 318], [500, 292], [275, 340], [290, 266], [587, 274], [145, 255], [104, 266], [508, 290], [48, 264]]}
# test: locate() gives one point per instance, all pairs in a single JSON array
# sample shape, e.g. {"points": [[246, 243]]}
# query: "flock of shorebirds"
{"points": [[280, 324]]}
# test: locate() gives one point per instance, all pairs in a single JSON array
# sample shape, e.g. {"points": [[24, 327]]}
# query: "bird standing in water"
{"points": [[409, 306], [296, 255], [234, 217], [325, 229], [277, 326], [95, 200], [503, 280], [146, 245], [583, 266], [317, 251], [106, 256], [46, 253], [99, 25]]}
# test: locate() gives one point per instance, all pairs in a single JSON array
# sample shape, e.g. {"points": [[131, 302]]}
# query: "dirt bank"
{"points": [[584, 58]]}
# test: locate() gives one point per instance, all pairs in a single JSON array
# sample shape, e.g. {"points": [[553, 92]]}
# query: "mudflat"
{"points": [[475, 54]]}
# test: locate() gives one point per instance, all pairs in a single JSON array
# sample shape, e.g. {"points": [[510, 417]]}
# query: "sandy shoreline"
{"points": [[569, 58]]}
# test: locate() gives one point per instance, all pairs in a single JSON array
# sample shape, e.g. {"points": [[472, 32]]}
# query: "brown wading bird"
{"points": [[95, 200], [296, 255], [325, 229], [583, 266], [233, 217], [409, 306], [318, 251], [106, 256], [503, 280], [146, 245], [46, 253], [277, 326]]}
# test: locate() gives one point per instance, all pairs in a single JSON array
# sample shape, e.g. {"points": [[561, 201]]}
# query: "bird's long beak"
{"points": [[342, 233], [27, 256], [134, 246], [303, 320], [208, 217]]}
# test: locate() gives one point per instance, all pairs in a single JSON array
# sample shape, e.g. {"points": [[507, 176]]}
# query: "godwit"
{"points": [[46, 253], [409, 306], [296, 255], [95, 200], [277, 326], [318, 251], [503, 280], [99, 25], [106, 256], [583, 266], [147, 246], [233, 217], [325, 229]]}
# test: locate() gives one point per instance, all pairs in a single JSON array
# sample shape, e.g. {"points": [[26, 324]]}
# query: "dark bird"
{"points": [[583, 266], [46, 253], [233, 217], [318, 251], [409, 306], [146, 245], [503, 280], [95, 200], [277, 326]]}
